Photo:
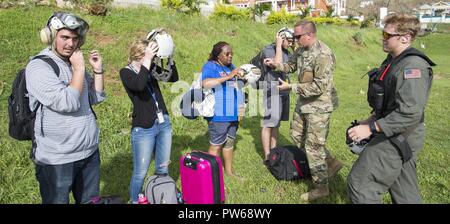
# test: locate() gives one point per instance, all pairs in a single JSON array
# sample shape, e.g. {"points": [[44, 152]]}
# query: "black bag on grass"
{"points": [[288, 163]]}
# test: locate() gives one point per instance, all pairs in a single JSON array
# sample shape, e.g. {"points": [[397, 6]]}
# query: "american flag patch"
{"points": [[412, 73]]}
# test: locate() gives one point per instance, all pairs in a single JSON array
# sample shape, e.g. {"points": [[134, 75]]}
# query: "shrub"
{"points": [[231, 12], [281, 17], [369, 22], [325, 20], [186, 6], [358, 38]]}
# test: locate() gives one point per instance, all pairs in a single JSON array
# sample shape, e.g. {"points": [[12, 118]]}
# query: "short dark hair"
{"points": [[217, 49], [307, 25]]}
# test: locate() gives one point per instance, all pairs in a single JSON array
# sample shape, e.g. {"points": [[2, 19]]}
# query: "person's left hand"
{"points": [[284, 85], [96, 61], [359, 133]]}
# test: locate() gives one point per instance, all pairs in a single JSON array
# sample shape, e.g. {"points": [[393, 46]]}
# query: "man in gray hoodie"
{"points": [[65, 148]]}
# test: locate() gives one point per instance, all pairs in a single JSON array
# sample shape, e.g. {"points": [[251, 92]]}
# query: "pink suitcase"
{"points": [[201, 178]]}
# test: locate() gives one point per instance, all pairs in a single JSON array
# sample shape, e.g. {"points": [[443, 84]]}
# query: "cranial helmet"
{"points": [[60, 20], [166, 48], [251, 73], [164, 41], [286, 33], [355, 147]]}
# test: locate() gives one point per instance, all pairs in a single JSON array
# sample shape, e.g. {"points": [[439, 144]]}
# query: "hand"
{"points": [[77, 61], [270, 62], [359, 133], [279, 40], [96, 61], [284, 85], [151, 50], [235, 72]]}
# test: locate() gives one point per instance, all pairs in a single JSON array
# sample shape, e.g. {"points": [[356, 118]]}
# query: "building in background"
{"points": [[434, 13], [318, 7]]}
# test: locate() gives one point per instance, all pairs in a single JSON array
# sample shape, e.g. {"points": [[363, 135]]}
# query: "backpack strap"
{"points": [[55, 68], [49, 61]]}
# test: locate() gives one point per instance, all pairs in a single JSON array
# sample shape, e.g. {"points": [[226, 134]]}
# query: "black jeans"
{"points": [[81, 177]]}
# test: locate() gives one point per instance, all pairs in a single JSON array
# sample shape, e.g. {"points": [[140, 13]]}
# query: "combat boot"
{"points": [[334, 165], [316, 193]]}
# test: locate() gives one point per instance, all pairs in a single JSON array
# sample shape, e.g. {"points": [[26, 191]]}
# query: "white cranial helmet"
{"points": [[286, 33], [164, 41], [355, 147], [251, 73]]}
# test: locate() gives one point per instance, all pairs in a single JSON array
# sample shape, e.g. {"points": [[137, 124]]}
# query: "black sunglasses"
{"points": [[387, 36], [296, 37]]}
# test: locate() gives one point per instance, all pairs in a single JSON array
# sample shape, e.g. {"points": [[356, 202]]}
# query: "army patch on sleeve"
{"points": [[412, 73]]}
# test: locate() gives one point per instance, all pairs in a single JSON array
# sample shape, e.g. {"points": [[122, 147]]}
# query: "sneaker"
{"points": [[315, 194]]}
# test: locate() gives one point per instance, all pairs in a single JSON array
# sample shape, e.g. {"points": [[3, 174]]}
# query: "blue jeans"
{"points": [[145, 143], [81, 177]]}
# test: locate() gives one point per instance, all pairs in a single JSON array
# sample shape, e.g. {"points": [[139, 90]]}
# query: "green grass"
{"points": [[194, 37]]}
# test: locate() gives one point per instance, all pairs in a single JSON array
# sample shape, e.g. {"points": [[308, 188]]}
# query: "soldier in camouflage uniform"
{"points": [[317, 98], [388, 163]]}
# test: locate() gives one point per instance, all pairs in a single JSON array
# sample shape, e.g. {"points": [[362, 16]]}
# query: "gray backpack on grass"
{"points": [[161, 189]]}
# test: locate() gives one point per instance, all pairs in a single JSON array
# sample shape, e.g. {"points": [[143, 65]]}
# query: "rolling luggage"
{"points": [[202, 178]]}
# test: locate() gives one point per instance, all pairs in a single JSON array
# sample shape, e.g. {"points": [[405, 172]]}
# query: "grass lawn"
{"points": [[194, 37]]}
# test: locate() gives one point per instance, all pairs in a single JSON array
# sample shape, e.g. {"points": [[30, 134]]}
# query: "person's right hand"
{"points": [[151, 50], [77, 61], [279, 40], [270, 62], [235, 72]]}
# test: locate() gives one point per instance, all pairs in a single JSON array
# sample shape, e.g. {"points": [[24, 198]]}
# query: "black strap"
{"points": [[55, 68], [49, 61], [400, 143]]}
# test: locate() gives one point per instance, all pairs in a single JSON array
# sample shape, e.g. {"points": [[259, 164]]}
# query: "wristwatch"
{"points": [[372, 127]]}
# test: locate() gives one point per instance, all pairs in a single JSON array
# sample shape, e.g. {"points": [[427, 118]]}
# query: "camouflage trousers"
{"points": [[309, 132]]}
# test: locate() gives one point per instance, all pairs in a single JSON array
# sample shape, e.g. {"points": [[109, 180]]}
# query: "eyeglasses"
{"points": [[296, 37], [387, 36]]}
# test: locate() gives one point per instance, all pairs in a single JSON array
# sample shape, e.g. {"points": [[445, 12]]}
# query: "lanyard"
{"points": [[149, 87], [384, 72]]}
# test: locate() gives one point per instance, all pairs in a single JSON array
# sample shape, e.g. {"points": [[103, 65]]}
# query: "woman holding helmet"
{"points": [[220, 74], [151, 132]]}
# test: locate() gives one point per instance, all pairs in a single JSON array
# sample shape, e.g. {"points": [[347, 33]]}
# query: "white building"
{"points": [[435, 13]]}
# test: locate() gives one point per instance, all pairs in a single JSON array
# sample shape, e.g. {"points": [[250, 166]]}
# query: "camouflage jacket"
{"points": [[315, 66]]}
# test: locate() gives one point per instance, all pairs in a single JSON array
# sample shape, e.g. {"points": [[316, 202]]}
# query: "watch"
{"points": [[372, 127]]}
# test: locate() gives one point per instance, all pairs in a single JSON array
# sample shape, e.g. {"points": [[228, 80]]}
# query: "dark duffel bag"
{"points": [[288, 163]]}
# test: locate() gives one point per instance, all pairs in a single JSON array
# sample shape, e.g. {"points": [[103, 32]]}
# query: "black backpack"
{"points": [[21, 118], [288, 163]]}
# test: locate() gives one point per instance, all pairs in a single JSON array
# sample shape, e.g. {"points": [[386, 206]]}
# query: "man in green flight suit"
{"points": [[398, 93], [317, 98]]}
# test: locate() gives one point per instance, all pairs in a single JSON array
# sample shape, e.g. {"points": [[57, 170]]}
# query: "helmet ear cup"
{"points": [[46, 36]]}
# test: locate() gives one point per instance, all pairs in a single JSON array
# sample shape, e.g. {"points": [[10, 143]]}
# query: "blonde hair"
{"points": [[404, 23], [137, 50]]}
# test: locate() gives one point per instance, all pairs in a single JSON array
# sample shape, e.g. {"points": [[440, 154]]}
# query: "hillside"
{"points": [[194, 37]]}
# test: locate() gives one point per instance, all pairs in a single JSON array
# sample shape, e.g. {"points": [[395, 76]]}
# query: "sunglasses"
{"points": [[296, 37], [387, 36], [228, 54]]}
